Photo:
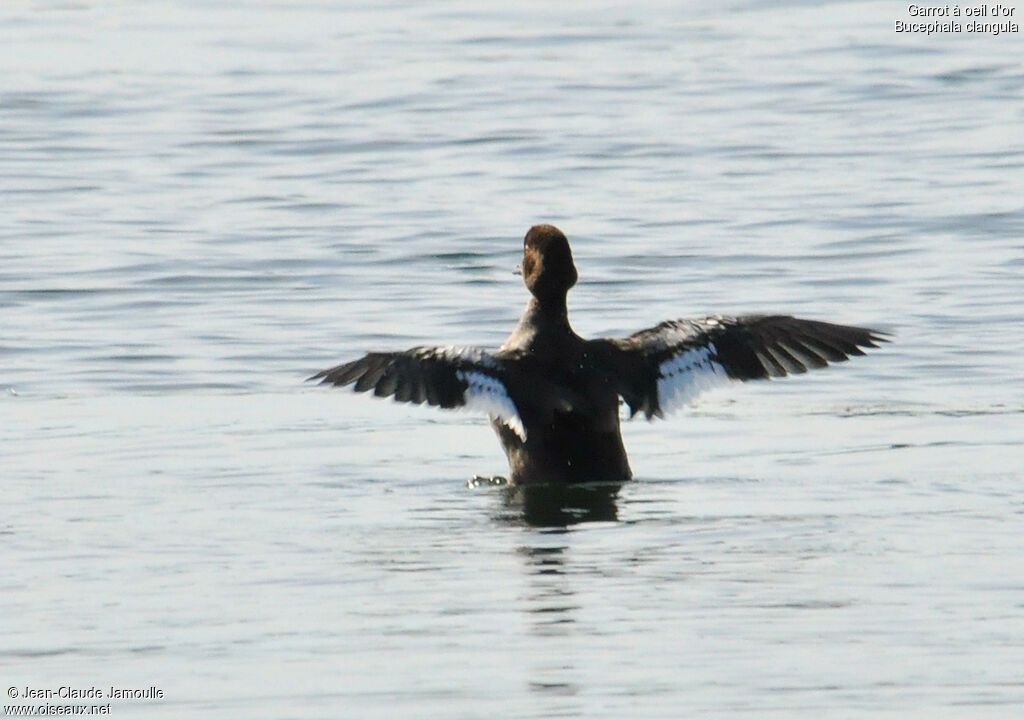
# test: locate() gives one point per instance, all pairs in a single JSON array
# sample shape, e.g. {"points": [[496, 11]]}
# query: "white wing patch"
{"points": [[488, 395], [687, 375]]}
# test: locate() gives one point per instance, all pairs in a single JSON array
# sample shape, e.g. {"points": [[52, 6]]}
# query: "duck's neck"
{"points": [[548, 320]]}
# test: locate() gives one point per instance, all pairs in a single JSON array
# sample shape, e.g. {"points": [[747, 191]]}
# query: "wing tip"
{"points": [[878, 336]]}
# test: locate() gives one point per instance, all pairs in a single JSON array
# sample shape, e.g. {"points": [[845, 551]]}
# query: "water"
{"points": [[204, 203]]}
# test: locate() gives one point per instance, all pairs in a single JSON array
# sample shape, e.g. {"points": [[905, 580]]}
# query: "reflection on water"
{"points": [[550, 599], [552, 606], [559, 506]]}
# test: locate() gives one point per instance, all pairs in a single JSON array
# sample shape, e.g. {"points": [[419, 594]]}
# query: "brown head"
{"points": [[548, 270]]}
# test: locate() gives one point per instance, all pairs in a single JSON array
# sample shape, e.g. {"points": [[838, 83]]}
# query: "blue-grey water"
{"points": [[204, 203]]}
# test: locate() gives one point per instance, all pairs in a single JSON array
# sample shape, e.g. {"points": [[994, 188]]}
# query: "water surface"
{"points": [[203, 204]]}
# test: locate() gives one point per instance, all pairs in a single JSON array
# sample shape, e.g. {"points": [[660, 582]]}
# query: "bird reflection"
{"points": [[559, 506], [551, 605], [551, 602], [550, 598]]}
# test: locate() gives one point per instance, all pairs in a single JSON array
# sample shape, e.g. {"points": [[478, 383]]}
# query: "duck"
{"points": [[553, 397]]}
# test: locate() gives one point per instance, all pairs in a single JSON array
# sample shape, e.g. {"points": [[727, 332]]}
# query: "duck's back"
{"points": [[569, 409]]}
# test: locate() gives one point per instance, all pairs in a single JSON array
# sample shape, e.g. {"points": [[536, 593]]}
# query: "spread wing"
{"points": [[662, 368], [448, 377]]}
